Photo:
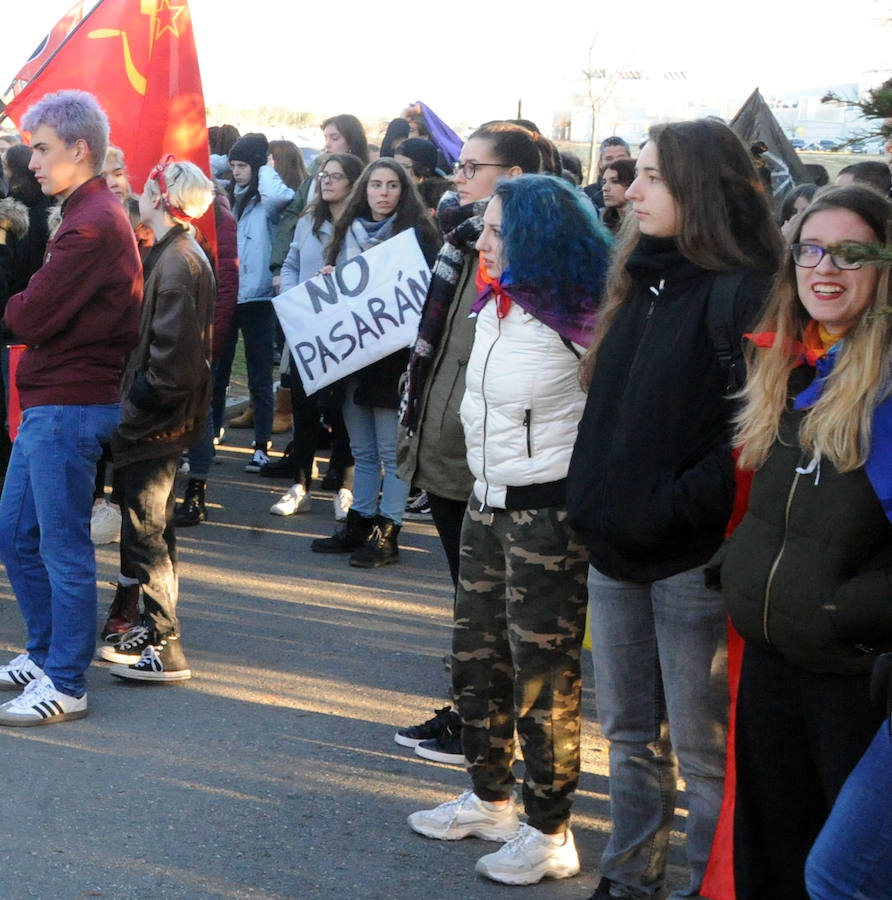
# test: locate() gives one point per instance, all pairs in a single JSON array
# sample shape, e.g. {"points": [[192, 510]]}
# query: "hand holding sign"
{"points": [[367, 308]]}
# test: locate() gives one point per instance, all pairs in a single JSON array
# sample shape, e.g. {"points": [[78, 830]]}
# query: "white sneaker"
{"points": [[41, 704], [105, 523], [342, 501], [467, 816], [19, 672], [294, 500], [531, 856], [258, 461]]}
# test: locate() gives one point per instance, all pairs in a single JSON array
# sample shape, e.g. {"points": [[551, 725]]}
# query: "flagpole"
{"points": [[48, 60]]}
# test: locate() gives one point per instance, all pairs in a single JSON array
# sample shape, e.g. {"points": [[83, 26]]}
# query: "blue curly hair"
{"points": [[551, 237]]}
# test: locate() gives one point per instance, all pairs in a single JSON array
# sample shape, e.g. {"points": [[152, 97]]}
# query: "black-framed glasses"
{"points": [[808, 256], [469, 169], [333, 177]]}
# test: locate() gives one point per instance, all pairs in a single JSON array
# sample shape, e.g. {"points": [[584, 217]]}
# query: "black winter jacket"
{"points": [[808, 572], [651, 481]]}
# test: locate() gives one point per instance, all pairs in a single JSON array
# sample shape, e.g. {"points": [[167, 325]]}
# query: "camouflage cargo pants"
{"points": [[517, 636]]}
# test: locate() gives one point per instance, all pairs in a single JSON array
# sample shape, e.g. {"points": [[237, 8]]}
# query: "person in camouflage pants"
{"points": [[517, 637]]}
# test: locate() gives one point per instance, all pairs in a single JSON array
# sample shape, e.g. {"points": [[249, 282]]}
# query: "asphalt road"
{"points": [[272, 773]]}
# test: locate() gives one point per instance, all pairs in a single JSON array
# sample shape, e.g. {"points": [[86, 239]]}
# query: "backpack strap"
{"points": [[569, 345], [722, 332]]}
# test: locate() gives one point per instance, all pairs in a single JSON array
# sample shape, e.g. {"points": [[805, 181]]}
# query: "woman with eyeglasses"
{"points": [[306, 256], [432, 448], [651, 487], [807, 575], [431, 451], [383, 203]]}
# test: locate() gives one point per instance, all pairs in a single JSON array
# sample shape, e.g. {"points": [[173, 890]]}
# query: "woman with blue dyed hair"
{"points": [[520, 601]]}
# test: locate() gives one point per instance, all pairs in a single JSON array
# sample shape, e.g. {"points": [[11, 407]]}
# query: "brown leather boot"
{"points": [[123, 614], [282, 411], [246, 419]]}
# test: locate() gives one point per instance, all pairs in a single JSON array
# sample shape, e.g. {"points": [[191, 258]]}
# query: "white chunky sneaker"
{"points": [[105, 523], [467, 816], [531, 856], [342, 501], [18, 672], [294, 500], [41, 704]]}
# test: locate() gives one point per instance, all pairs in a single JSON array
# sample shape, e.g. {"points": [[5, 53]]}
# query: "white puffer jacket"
{"points": [[521, 407]]}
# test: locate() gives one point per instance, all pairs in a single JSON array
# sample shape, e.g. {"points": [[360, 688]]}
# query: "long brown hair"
{"points": [[410, 211], [838, 425], [289, 163], [319, 209], [726, 222]]}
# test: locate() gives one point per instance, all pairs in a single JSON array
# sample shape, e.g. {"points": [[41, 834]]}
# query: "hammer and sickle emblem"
{"points": [[134, 76]]}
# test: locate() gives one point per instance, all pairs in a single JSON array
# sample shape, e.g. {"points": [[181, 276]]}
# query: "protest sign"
{"points": [[366, 309]]}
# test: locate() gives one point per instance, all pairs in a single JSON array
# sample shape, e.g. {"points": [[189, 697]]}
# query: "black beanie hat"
{"points": [[252, 149], [420, 151]]}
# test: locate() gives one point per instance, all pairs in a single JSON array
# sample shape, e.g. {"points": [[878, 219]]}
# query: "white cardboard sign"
{"points": [[368, 308]]}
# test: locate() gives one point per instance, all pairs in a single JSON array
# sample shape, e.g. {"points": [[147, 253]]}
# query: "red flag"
{"points": [[47, 47], [138, 58]]}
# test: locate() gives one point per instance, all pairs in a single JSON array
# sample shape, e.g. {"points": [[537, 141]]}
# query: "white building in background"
{"points": [[631, 100]]}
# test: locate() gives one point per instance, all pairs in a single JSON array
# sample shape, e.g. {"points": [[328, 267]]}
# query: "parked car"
{"points": [[798, 143], [827, 146], [868, 145]]}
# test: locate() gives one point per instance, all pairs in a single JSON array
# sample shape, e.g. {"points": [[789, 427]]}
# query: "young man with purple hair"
{"points": [[78, 318]]}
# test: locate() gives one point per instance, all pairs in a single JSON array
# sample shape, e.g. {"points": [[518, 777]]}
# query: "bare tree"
{"points": [[600, 85]]}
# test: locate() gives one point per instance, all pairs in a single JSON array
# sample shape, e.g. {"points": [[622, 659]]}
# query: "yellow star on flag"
{"points": [[166, 15]]}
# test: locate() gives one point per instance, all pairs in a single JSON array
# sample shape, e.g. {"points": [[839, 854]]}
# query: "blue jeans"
{"points": [[45, 534], [373, 431], [257, 320], [852, 857], [660, 659]]}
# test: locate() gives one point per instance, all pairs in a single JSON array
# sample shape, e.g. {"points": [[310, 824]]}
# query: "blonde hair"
{"points": [[838, 426], [188, 188], [114, 156]]}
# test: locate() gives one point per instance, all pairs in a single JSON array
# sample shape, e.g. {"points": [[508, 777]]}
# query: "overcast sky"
{"points": [[472, 61]]}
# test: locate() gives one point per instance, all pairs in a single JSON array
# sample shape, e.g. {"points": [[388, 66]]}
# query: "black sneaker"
{"points": [[432, 728], [163, 661], [129, 647], [419, 508], [282, 467], [447, 747]]}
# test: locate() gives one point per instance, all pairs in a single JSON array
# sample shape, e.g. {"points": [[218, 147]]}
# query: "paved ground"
{"points": [[273, 772]]}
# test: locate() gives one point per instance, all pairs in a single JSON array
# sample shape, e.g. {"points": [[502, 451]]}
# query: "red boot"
{"points": [[123, 613]]}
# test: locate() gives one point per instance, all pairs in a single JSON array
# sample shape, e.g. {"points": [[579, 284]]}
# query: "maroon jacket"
{"points": [[79, 314], [227, 273]]}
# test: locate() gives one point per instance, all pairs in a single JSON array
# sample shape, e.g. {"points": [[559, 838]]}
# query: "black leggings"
{"points": [[448, 515]]}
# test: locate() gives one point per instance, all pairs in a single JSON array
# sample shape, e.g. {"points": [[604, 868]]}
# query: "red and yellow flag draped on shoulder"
{"points": [[138, 58]]}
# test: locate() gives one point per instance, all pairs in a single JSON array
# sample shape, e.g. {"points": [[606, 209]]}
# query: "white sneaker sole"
{"points": [[108, 653], [27, 721], [139, 675], [530, 876], [440, 756]]}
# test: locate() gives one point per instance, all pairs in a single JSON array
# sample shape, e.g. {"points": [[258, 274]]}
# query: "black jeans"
{"points": [[148, 540], [306, 412], [799, 735]]}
